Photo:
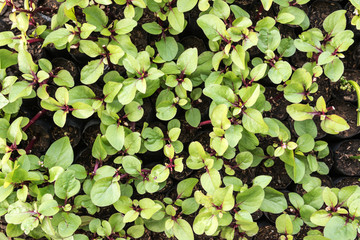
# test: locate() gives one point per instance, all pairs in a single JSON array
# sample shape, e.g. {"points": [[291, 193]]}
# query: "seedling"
{"points": [[157, 163]]}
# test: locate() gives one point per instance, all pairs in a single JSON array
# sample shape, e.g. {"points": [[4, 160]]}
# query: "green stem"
{"points": [[357, 89]]}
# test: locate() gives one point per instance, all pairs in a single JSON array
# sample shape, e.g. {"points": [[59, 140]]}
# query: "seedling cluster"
{"points": [[150, 171]]}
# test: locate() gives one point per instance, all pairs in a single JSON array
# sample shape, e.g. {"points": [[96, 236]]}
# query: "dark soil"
{"points": [[280, 179], [349, 94], [278, 103], [344, 164], [267, 232]]}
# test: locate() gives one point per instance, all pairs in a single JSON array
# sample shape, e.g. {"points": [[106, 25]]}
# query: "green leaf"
{"points": [[212, 26], [86, 30], [14, 132], [58, 37], [266, 4], [304, 46], [262, 180], [325, 57], [329, 197], [189, 206], [334, 70], [95, 16], [160, 173], [49, 207], [335, 22], [188, 61], [90, 48], [131, 165], [223, 197], [148, 208], [356, 3], [134, 111], [244, 160], [281, 72], [115, 134], [25, 61], [354, 208], [220, 94], [182, 230], [284, 224], [269, 39], [69, 224], [320, 218], [6, 37], [238, 56], [7, 58], [305, 127], [136, 231], [176, 19], [60, 153], [300, 112], [152, 28], [62, 95], [286, 48], [291, 15], [249, 95], [219, 144], [334, 124], [185, 187], [210, 181], [250, 199], [167, 48], [254, 122], [186, 5], [98, 150], [92, 71], [131, 216], [19, 90], [125, 26], [67, 185], [266, 23], [5, 192], [154, 139], [221, 9], [132, 143], [193, 117], [82, 110], [105, 192], [205, 221], [337, 228], [127, 92], [64, 78], [274, 201], [81, 93], [219, 117], [305, 143], [233, 135], [315, 237], [59, 118]]}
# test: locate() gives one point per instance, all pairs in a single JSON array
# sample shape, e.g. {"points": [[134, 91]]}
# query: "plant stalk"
{"points": [[34, 119], [356, 86]]}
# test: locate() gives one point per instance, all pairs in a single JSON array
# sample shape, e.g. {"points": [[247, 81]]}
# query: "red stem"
{"points": [[259, 13], [35, 40], [30, 145], [203, 123], [34, 119], [97, 163]]}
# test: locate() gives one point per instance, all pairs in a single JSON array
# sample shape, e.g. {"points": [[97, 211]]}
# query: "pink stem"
{"points": [[30, 145], [207, 122], [34, 119]]}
